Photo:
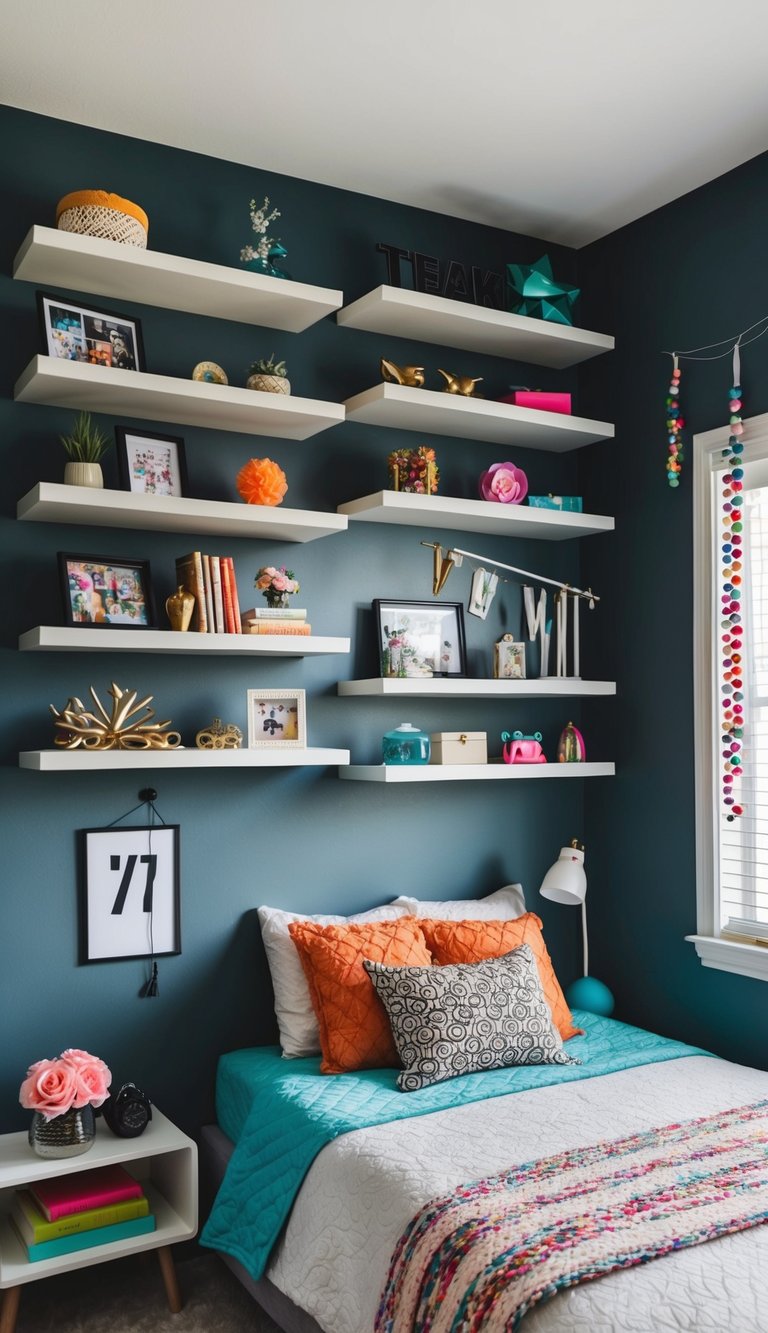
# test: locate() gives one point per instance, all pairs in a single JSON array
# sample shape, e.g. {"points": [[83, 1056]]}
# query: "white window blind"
{"points": [[743, 842], [731, 855]]}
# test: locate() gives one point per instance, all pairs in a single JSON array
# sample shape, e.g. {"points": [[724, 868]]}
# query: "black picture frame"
{"points": [[430, 638], [129, 892], [130, 443], [72, 331], [106, 591]]}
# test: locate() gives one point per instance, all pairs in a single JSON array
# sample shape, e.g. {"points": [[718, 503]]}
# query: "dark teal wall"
{"points": [[300, 839], [690, 274]]}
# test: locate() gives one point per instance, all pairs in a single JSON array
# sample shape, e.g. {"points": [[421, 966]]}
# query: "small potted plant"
{"points": [[269, 376], [85, 447]]}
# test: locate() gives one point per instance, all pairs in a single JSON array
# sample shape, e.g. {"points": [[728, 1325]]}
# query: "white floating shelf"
{"points": [[470, 772], [135, 394], [473, 328], [432, 412], [84, 639], [107, 268], [79, 761], [486, 516], [52, 502], [548, 687]]}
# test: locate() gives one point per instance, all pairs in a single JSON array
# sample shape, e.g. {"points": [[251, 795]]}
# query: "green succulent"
{"points": [[86, 443], [268, 366]]}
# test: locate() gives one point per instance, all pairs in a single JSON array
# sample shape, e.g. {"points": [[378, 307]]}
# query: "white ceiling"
{"points": [[561, 118]]}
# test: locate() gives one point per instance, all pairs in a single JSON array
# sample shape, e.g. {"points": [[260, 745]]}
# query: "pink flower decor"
{"points": [[504, 483], [75, 1079]]}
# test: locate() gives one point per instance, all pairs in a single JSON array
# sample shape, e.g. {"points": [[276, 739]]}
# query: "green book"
{"points": [[34, 1227], [85, 1240]]}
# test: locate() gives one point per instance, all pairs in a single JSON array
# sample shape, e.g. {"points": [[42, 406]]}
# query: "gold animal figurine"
{"points": [[217, 736], [462, 384], [113, 730], [412, 376]]}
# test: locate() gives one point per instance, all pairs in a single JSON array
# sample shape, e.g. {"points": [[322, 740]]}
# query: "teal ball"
{"points": [[590, 994]]}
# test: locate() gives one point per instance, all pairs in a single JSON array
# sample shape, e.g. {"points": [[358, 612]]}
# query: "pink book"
{"points": [[85, 1189]]}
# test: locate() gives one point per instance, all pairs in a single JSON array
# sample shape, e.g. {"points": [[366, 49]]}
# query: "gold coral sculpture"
{"points": [[114, 730]]}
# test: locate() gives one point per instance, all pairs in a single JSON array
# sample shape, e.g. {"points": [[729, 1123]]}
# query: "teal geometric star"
{"points": [[533, 291]]}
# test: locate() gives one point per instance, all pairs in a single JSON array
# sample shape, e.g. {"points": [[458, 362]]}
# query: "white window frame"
{"points": [[726, 955]]}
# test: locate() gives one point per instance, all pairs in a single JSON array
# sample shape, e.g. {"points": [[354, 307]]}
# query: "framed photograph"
{"points": [[73, 332], [129, 892], [278, 718], [150, 463], [508, 659], [105, 592], [420, 638]]}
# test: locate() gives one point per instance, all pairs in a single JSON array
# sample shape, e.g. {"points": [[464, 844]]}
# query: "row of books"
{"points": [[76, 1212], [211, 580]]}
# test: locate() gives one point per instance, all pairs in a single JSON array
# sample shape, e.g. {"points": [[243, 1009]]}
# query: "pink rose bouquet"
{"points": [[277, 585], [76, 1079], [504, 483]]}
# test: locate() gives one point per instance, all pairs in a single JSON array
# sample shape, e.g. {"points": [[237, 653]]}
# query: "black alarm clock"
{"points": [[128, 1111]]}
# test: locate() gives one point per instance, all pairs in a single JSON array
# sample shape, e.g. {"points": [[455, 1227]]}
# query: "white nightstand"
{"points": [[162, 1158]]}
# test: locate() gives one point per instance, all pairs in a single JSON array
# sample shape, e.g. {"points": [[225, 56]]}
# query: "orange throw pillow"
{"points": [[474, 941], [353, 1023]]}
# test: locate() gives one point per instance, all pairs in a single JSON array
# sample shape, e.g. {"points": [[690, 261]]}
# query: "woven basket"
{"points": [[96, 213]]}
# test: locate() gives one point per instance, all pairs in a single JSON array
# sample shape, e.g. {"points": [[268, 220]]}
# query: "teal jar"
{"points": [[405, 745]]}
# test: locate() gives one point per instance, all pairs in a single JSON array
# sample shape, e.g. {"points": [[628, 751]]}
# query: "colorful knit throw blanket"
{"points": [[482, 1256]]}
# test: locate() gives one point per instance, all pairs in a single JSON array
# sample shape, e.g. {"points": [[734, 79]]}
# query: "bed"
{"points": [[347, 1205]]}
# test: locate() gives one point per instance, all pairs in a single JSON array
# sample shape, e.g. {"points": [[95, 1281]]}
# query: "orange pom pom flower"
{"points": [[261, 482]]}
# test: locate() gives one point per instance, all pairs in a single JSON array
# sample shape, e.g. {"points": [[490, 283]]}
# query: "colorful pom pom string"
{"points": [[732, 625], [675, 424]]}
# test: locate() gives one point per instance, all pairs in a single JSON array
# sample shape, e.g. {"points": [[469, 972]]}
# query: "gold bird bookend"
{"points": [[462, 384], [412, 376]]}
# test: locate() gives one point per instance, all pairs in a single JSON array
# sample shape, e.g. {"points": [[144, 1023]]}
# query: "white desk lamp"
{"points": [[565, 882]]}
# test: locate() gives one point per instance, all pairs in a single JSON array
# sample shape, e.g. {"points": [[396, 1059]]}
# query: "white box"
{"points": [[459, 747]]}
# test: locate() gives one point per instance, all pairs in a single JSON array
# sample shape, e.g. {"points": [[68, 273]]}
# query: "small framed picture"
{"points": [[508, 659], [73, 332], [105, 592], [150, 463], [278, 718], [420, 638], [129, 893]]}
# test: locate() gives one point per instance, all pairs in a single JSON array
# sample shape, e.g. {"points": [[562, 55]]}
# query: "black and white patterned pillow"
{"points": [[466, 1017]]}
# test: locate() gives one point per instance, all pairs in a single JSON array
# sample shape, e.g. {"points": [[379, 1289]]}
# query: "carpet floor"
{"points": [[127, 1296]]}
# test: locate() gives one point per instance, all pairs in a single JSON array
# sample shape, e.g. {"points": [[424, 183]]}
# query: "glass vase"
{"points": [[66, 1135]]}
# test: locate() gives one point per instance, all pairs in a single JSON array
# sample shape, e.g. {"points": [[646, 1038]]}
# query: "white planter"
{"points": [[83, 474], [269, 383]]}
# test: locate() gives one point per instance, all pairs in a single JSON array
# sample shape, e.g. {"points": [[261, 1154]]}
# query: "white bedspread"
{"points": [[363, 1189]]}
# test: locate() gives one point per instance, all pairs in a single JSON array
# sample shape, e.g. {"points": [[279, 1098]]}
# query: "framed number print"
{"points": [[129, 893]]}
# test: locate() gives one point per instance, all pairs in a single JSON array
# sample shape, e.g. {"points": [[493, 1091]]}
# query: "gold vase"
{"points": [[179, 607]]}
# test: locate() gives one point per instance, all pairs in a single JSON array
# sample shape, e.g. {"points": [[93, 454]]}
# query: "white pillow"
{"points": [[293, 1007], [503, 905]]}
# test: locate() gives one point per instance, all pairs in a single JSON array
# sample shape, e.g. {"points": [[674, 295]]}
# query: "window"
{"points": [[731, 849]]}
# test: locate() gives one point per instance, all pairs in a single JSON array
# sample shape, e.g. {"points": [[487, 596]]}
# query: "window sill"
{"points": [[747, 960]]}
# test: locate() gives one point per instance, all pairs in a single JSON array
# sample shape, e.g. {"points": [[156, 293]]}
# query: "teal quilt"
{"points": [[282, 1112]]}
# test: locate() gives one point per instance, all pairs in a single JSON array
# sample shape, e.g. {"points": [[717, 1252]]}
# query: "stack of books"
{"points": [[276, 620], [69, 1213], [211, 580]]}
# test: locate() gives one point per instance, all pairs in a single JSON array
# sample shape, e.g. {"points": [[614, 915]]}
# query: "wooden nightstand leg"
{"points": [[170, 1282], [9, 1309]]}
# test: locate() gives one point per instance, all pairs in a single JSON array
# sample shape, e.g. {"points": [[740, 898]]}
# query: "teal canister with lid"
{"points": [[405, 745]]}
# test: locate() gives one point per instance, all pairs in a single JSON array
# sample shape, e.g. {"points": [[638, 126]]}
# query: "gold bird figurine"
{"points": [[462, 384], [412, 376]]}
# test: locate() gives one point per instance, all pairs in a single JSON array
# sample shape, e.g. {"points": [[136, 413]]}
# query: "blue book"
{"points": [[84, 1240]]}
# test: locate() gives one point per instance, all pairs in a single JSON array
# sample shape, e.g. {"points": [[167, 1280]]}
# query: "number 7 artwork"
{"points": [[129, 892]]}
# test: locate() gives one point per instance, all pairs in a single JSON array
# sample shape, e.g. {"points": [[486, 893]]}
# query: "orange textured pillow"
{"points": [[354, 1028], [473, 941]]}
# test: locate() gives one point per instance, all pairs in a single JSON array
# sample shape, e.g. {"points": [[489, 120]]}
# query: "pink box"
{"points": [[543, 402]]}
